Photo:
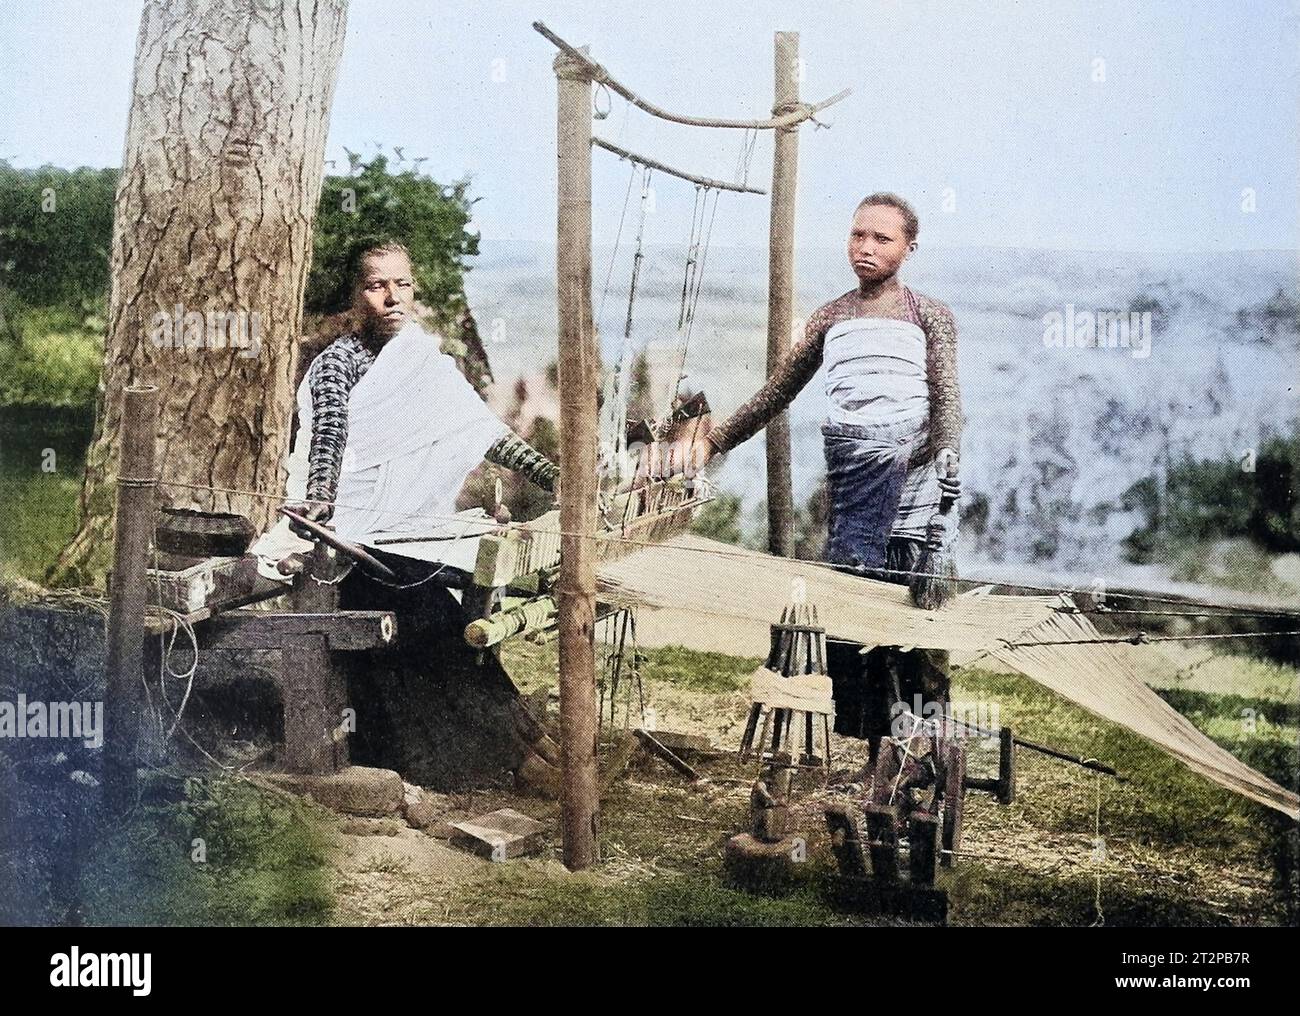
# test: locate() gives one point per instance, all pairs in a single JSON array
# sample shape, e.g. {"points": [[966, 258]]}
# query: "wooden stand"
{"points": [[312, 687], [856, 888], [791, 696], [136, 488]]}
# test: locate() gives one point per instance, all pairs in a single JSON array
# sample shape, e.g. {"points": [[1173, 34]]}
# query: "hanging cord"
{"points": [[602, 90], [614, 414], [617, 387], [639, 255], [166, 647], [692, 253], [1097, 846], [694, 299], [618, 239], [748, 142]]}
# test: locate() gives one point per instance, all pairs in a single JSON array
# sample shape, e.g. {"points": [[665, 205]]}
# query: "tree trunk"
{"points": [[212, 242]]}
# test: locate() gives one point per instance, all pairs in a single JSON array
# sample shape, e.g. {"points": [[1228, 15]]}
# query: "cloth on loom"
{"points": [[1107, 679], [416, 430], [718, 597]]}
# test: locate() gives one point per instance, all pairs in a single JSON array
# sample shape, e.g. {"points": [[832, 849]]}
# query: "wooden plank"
{"points": [[619, 759], [346, 630]]}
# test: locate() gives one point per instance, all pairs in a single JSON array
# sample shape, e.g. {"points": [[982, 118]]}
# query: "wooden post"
{"points": [[780, 292], [578, 382], [313, 690], [137, 483]]}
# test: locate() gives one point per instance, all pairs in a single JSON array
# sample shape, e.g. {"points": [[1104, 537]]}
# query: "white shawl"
{"points": [[416, 430]]}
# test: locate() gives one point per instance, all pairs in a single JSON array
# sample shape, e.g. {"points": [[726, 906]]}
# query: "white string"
{"points": [[1100, 921]]}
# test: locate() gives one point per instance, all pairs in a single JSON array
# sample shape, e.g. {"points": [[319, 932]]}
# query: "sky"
{"points": [[1131, 126]]}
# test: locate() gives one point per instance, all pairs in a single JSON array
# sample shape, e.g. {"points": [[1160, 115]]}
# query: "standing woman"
{"points": [[892, 435], [893, 406]]}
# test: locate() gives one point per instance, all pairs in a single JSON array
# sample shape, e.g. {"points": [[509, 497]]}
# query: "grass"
{"points": [[1162, 802], [57, 362], [39, 519], [531, 667], [212, 852], [513, 898]]}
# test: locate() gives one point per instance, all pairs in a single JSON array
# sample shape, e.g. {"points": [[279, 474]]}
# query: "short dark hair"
{"points": [[910, 222], [365, 251]]}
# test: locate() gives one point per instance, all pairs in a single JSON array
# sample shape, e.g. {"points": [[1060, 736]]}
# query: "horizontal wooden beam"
{"points": [[645, 160], [598, 74], [345, 630]]}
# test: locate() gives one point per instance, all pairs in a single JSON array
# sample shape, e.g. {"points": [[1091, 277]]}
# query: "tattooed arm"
{"points": [[945, 392], [331, 378], [513, 452]]}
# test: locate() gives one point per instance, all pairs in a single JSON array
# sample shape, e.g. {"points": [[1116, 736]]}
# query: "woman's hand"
{"points": [[946, 464], [661, 460], [313, 511]]}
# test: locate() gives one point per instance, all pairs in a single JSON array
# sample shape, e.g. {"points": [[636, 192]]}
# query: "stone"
{"points": [[422, 810], [500, 835], [353, 790], [356, 826]]}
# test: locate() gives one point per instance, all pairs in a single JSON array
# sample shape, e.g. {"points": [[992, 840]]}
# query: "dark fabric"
{"points": [[439, 712], [868, 685], [864, 489]]}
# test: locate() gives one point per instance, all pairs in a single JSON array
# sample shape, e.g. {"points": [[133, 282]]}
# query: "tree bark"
{"points": [[214, 212]]}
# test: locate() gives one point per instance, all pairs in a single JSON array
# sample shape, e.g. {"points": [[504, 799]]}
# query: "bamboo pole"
{"points": [[780, 292], [137, 484], [578, 383]]}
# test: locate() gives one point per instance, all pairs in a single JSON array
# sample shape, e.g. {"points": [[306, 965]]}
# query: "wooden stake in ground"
{"points": [[137, 487], [212, 240], [578, 383], [780, 292]]}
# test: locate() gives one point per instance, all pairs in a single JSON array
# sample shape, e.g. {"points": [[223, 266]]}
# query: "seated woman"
{"points": [[389, 430], [395, 427]]}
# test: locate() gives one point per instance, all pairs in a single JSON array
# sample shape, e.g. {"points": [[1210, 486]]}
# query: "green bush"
{"points": [[373, 205], [1205, 500], [56, 229]]}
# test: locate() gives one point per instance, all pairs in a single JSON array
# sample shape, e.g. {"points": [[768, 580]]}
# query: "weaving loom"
{"points": [[733, 593]]}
